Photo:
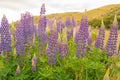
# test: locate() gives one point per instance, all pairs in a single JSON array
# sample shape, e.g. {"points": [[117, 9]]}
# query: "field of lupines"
{"points": [[58, 50]]}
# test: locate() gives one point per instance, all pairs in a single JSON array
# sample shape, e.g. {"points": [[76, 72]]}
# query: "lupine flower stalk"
{"points": [[29, 30], [59, 25], [112, 40], [5, 36], [100, 38], [63, 45], [73, 22], [34, 62], [82, 36], [52, 45], [19, 39], [42, 37], [89, 41], [69, 27], [81, 44], [43, 10], [84, 25]]}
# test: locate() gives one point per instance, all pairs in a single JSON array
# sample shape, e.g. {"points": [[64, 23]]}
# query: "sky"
{"points": [[13, 8]]}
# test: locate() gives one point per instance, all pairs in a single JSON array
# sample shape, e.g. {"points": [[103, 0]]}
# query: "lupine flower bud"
{"points": [[42, 9], [73, 23], [5, 36], [34, 62], [18, 71], [111, 43], [100, 38]]}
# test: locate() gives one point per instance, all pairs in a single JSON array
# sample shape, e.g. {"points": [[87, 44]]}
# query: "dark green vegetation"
{"points": [[96, 65]]}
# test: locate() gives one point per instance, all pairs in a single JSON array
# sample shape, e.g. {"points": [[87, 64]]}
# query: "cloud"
{"points": [[13, 8]]}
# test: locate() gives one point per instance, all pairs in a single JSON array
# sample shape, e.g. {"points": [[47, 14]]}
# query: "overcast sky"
{"points": [[13, 8]]}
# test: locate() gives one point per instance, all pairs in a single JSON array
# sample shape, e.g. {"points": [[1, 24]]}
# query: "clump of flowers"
{"points": [[52, 45], [113, 36], [5, 36], [63, 44], [100, 38], [82, 36]]}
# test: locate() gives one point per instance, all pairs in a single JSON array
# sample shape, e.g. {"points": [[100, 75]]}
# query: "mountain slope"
{"points": [[97, 13]]}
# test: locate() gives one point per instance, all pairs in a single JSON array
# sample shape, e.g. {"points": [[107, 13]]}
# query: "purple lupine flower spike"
{"points": [[69, 27], [89, 41], [73, 22], [82, 36], [19, 39], [43, 10], [112, 40], [5, 36], [42, 37], [52, 45], [100, 38], [63, 44]]}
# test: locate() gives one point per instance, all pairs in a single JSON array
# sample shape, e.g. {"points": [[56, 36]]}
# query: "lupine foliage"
{"points": [[66, 56]]}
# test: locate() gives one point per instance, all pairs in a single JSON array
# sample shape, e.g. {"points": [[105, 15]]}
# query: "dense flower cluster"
{"points": [[112, 40], [81, 37], [52, 45], [5, 45], [28, 24], [63, 44], [19, 39], [69, 27], [100, 38]]}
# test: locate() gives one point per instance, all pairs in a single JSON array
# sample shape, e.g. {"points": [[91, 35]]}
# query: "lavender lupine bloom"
{"points": [[41, 30], [81, 44], [43, 10], [89, 40], [84, 24], [100, 38], [82, 36], [73, 23], [69, 27], [63, 45], [27, 22], [52, 45], [59, 25], [34, 62], [5, 36], [42, 26], [19, 39], [111, 43]]}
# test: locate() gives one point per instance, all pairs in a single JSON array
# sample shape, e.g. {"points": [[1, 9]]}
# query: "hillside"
{"points": [[97, 13]]}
